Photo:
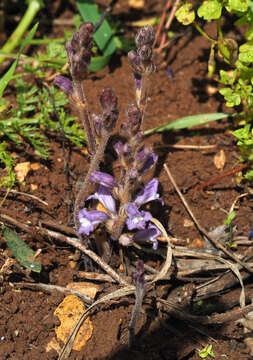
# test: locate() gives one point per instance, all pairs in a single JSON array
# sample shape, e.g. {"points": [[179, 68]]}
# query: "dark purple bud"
{"points": [[108, 99], [145, 36], [64, 84], [79, 51], [145, 52], [109, 102], [104, 179], [149, 163], [134, 58], [85, 34], [134, 116], [250, 234]]}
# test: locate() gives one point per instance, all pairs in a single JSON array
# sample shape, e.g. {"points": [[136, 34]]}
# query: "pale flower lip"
{"points": [[104, 196], [88, 219], [136, 219]]}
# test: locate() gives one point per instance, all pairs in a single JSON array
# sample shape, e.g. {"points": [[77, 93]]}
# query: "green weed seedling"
{"points": [[228, 221], [207, 351]]}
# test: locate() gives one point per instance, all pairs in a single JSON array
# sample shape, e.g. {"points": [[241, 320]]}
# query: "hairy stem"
{"points": [[84, 189], [84, 116], [139, 295]]}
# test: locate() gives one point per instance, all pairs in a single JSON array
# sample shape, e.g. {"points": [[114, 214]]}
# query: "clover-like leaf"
{"points": [[232, 98], [185, 15], [227, 78], [210, 9], [239, 5], [246, 52]]}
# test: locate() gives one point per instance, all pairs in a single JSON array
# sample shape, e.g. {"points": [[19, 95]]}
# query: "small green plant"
{"points": [[238, 82], [207, 351], [32, 121], [228, 221]]}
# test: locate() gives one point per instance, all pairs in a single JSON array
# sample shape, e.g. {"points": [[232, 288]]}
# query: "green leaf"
{"points": [[22, 253], [8, 75], [104, 36], [188, 121], [232, 98], [226, 78], [246, 52], [99, 62], [207, 351], [239, 5], [185, 15], [210, 10], [230, 217]]}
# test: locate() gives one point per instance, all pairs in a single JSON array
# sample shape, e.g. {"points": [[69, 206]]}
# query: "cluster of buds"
{"points": [[140, 59]]}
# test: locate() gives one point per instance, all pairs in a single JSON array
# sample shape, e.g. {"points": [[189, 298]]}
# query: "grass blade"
{"points": [[22, 253], [8, 75], [188, 121]]}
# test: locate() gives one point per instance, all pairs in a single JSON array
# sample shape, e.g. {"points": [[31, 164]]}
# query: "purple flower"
{"points": [[136, 219], [148, 193], [250, 234], [104, 196], [64, 84], [88, 219], [103, 179], [150, 234]]}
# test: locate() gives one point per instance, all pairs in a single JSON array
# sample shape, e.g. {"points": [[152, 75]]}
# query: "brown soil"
{"points": [[26, 316]]}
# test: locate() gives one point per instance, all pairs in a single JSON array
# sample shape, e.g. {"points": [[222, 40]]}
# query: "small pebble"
{"points": [[2, 338]]}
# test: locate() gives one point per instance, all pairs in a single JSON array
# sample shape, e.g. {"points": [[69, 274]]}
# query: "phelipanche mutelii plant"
{"points": [[122, 215]]}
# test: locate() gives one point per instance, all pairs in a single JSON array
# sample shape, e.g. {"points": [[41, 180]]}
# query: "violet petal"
{"points": [[148, 193], [150, 234], [136, 219]]}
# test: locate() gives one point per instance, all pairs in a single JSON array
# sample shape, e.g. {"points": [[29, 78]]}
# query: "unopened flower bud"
{"points": [[145, 52], [145, 36], [108, 99], [85, 35], [64, 84], [134, 58]]}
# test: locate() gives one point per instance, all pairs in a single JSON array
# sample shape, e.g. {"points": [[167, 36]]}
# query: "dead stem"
{"points": [[25, 194], [78, 245], [51, 288]]}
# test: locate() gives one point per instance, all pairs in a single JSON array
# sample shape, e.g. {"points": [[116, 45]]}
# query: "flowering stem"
{"points": [[81, 104], [84, 189]]}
